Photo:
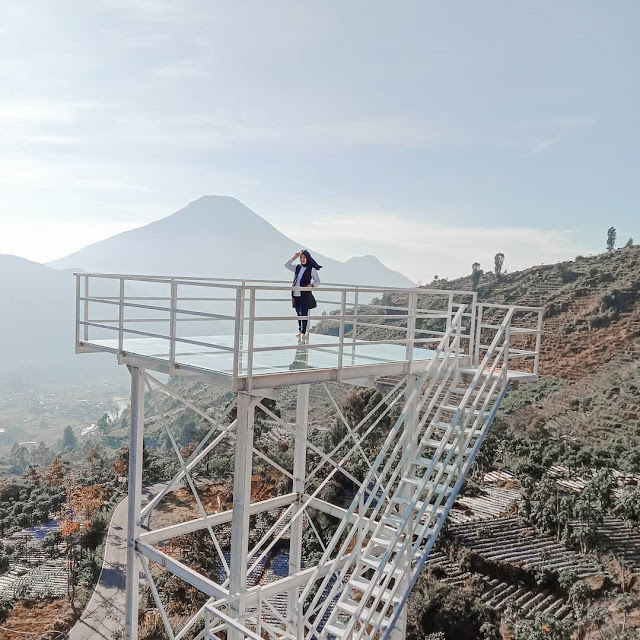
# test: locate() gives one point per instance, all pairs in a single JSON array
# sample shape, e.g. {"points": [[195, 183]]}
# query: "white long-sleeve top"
{"points": [[315, 278]]}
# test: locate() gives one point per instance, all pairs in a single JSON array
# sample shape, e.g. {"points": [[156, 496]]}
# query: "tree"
{"points": [[498, 261], [41, 455], [87, 501], [476, 274], [627, 506], [56, 472], [70, 533], [120, 465], [611, 238], [629, 243], [69, 440], [104, 424]]}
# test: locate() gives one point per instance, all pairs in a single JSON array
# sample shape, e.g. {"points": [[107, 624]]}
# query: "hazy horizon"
{"points": [[430, 136]]}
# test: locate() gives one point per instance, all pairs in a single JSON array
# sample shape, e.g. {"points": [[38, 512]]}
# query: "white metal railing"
{"points": [[407, 548], [178, 316]]}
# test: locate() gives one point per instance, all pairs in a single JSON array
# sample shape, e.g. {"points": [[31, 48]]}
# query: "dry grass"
{"points": [[35, 617]]}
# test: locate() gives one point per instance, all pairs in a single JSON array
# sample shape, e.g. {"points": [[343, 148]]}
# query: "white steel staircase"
{"points": [[401, 507]]}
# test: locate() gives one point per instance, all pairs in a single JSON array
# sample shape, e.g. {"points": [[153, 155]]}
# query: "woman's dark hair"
{"points": [[310, 261]]}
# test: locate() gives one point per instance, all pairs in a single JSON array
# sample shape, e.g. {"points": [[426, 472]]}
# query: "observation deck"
{"points": [[452, 360], [239, 334]]}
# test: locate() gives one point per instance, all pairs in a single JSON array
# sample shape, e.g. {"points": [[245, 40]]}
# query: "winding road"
{"points": [[105, 612]]}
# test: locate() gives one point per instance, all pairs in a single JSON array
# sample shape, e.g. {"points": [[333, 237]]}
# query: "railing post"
{"points": [[252, 328], [478, 338], [411, 328], [121, 319], [536, 360], [173, 326], [77, 312], [472, 326], [237, 335], [86, 308], [458, 350], [343, 310], [354, 326], [507, 339], [449, 311]]}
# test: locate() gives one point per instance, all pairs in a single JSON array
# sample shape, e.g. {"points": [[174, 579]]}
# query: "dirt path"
{"points": [[106, 610]]}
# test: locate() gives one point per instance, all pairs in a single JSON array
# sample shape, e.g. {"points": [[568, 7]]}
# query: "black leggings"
{"points": [[302, 310]]}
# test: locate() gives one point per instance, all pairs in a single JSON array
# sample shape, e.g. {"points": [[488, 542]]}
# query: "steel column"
{"points": [[241, 504], [412, 421], [299, 480], [136, 434]]}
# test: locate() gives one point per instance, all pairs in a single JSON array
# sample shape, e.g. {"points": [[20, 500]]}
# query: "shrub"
{"points": [[437, 607], [566, 273], [542, 627]]}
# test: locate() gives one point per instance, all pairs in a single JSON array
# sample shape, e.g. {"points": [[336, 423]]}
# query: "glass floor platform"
{"points": [[282, 355]]}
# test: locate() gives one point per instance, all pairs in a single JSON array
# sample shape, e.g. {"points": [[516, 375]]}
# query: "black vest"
{"points": [[305, 281]]}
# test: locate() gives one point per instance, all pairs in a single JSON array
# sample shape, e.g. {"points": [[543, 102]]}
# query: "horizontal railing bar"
{"points": [[148, 334], [156, 320], [345, 317], [511, 329], [373, 325], [207, 314], [133, 305], [180, 298], [335, 345], [516, 307], [160, 336], [280, 284]]}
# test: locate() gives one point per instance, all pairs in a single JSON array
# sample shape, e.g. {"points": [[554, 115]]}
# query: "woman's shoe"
{"points": [[299, 336]]}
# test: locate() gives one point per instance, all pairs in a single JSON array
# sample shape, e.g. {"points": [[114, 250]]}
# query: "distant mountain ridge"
{"points": [[217, 236], [37, 324]]}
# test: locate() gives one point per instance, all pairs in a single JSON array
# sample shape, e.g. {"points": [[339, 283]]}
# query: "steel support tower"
{"points": [[309, 559]]}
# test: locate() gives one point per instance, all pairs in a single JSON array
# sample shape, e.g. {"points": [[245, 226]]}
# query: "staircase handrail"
{"points": [[426, 503], [435, 362], [480, 373]]}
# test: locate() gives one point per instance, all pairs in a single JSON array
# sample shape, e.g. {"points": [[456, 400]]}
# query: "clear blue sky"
{"points": [[431, 134]]}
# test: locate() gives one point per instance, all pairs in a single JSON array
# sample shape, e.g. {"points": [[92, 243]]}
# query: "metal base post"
{"points": [[136, 434], [299, 478], [241, 504]]}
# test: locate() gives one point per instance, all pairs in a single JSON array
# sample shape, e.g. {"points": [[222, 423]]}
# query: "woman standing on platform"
{"points": [[306, 275]]}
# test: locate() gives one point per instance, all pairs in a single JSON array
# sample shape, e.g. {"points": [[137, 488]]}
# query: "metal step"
{"points": [[363, 585], [453, 408], [386, 568], [436, 444], [351, 606], [445, 426]]}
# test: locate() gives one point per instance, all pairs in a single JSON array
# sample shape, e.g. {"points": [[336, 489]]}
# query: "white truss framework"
{"points": [[351, 562]]}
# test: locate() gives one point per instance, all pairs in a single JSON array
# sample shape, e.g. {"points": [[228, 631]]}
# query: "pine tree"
{"points": [[69, 440], [476, 273], [498, 260], [611, 238]]}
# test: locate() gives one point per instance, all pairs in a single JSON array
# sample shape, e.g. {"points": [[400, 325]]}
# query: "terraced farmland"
{"points": [[508, 540], [614, 537]]}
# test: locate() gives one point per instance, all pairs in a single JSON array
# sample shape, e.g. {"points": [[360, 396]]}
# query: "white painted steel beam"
{"points": [[241, 505], [182, 571], [299, 480], [134, 503], [171, 531]]}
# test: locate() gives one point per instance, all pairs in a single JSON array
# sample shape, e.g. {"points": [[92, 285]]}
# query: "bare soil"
{"points": [[36, 617]]}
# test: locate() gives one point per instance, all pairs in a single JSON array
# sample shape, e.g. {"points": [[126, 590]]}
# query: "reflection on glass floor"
{"points": [[287, 356]]}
